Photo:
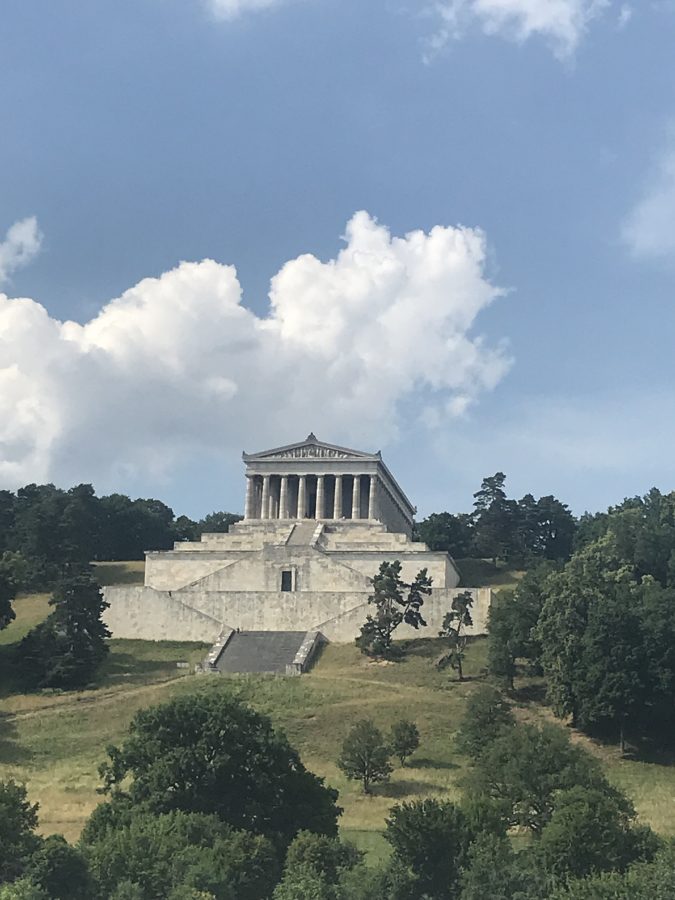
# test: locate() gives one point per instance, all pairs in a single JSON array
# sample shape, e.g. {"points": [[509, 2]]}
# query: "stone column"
{"points": [[283, 498], [337, 505], [265, 506], [372, 498], [302, 502], [250, 500], [356, 498], [320, 511]]}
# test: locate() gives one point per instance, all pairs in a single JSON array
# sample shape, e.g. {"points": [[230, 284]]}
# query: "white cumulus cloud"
{"points": [[178, 366], [22, 242], [561, 22], [649, 229]]}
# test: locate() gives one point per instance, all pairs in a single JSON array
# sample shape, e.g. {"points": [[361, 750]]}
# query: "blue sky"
{"points": [[531, 331]]}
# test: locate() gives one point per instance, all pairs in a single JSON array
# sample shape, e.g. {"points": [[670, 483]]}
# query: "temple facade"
{"points": [[315, 480], [319, 520]]}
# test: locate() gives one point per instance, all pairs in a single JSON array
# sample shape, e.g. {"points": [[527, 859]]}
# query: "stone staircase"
{"points": [[302, 534], [263, 652]]}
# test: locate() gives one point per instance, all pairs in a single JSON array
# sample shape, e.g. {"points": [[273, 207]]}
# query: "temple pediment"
{"points": [[311, 448]]}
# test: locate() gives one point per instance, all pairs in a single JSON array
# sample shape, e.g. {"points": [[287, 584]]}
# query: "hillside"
{"points": [[55, 742]]}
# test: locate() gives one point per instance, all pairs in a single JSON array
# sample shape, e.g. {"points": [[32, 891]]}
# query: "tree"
{"points": [[61, 870], [431, 839], [210, 753], [18, 822], [13, 570], [392, 608], [365, 755], [453, 630], [493, 871], [183, 852], [66, 649], [404, 739], [492, 517], [589, 831], [525, 767], [315, 866], [444, 531], [512, 624], [217, 522], [595, 652], [486, 716], [22, 889]]}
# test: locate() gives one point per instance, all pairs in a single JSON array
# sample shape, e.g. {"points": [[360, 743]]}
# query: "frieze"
{"points": [[311, 453]]}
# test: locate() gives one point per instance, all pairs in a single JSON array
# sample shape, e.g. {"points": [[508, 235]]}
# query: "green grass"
{"points": [[55, 741], [483, 573], [120, 572]]}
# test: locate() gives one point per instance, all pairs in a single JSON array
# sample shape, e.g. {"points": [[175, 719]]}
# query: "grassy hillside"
{"points": [[55, 741]]}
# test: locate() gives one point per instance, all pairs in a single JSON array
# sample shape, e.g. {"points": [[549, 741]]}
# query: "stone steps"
{"points": [[262, 652]]}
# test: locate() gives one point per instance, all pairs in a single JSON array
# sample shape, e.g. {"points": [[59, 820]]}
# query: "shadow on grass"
{"points": [[423, 762], [409, 787], [534, 692], [11, 752], [119, 665]]}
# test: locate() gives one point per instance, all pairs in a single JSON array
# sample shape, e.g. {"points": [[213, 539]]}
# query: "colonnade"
{"points": [[311, 496]]}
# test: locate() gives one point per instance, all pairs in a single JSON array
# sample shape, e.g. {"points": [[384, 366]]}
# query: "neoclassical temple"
{"points": [[319, 520], [315, 480]]}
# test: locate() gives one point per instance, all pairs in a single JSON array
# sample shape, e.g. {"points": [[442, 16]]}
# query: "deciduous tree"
{"points": [[365, 755], [404, 739], [210, 753]]}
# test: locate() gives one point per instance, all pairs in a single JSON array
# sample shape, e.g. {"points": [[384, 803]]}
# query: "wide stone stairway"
{"points": [[260, 651], [302, 534]]}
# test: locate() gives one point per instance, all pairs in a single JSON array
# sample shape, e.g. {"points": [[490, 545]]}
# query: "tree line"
{"points": [[46, 531], [601, 627], [498, 528], [205, 800]]}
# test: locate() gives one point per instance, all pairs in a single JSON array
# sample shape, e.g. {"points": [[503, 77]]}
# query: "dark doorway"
{"points": [[286, 580]]}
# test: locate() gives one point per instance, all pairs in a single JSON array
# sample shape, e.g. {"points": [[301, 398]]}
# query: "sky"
{"points": [[443, 229]]}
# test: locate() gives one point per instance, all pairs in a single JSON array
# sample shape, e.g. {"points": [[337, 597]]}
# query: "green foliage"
{"points": [[315, 866], [607, 640], [589, 831], [13, 571], [486, 715], [210, 753], [431, 839], [365, 755], [327, 856], [525, 768], [18, 821], [455, 621], [512, 623], [22, 889], [493, 871], [61, 870], [67, 648], [395, 602], [444, 531], [182, 852], [58, 532], [404, 739], [653, 880]]}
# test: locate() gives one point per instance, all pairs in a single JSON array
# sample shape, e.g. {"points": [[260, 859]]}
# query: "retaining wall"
{"points": [[148, 614]]}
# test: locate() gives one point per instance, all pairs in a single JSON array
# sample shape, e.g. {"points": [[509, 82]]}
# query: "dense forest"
{"points": [[46, 531]]}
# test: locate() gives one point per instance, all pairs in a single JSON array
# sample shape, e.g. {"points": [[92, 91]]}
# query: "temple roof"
{"points": [[311, 448]]}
